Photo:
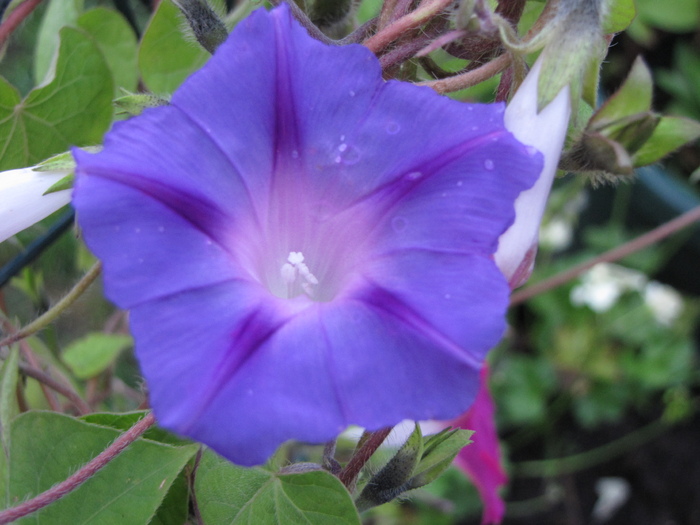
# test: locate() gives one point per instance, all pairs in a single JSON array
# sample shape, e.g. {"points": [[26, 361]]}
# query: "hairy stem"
{"points": [[641, 242], [420, 16], [81, 476], [67, 392], [470, 78], [349, 474]]}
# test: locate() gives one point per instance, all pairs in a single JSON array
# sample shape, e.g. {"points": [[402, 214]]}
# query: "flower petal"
{"points": [[352, 362], [482, 459], [282, 145], [148, 249], [546, 132], [23, 199]]}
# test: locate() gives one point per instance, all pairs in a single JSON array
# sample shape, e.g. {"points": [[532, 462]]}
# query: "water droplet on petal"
{"points": [[351, 93], [137, 230], [392, 128], [474, 128], [399, 224], [488, 164], [295, 154], [414, 175], [349, 155], [448, 296], [460, 183], [531, 150], [342, 138], [161, 229]]}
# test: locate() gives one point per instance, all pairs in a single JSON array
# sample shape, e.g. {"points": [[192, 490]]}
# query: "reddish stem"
{"points": [[426, 10], [641, 242], [349, 474], [15, 18], [469, 78], [80, 477], [45, 379]]}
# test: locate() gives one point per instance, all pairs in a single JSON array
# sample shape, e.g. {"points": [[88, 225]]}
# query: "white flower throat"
{"points": [[295, 271]]}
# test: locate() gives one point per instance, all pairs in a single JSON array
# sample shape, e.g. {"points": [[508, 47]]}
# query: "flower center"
{"points": [[295, 271]]}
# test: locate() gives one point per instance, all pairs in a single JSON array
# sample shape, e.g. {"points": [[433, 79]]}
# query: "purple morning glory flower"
{"points": [[302, 245]]}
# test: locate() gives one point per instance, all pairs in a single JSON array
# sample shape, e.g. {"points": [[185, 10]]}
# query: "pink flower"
{"points": [[544, 131]]}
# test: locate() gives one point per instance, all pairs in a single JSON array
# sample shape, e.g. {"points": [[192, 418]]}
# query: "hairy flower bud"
{"points": [[208, 29]]}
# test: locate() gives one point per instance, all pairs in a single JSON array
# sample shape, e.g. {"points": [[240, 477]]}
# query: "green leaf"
{"points": [[117, 41], [8, 409], [9, 374], [619, 16], [73, 108], [93, 354], [678, 16], [48, 447], [227, 494], [166, 57], [634, 96], [175, 507], [126, 420], [56, 16], [670, 134]]}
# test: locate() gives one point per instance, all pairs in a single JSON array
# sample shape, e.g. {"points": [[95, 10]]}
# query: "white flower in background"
{"points": [[22, 199], [664, 302], [556, 234], [602, 286], [545, 131]]}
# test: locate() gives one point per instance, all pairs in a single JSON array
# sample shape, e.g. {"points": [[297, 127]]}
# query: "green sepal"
{"points": [[596, 152], [573, 53], [634, 96], [670, 134], [133, 104], [389, 482], [61, 162], [438, 453], [418, 462], [65, 183], [632, 132]]}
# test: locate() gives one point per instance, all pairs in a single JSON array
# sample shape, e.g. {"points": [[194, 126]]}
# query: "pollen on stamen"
{"points": [[295, 267]]}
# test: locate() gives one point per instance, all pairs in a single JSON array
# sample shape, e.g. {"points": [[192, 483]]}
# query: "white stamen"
{"points": [[289, 273], [295, 265]]}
